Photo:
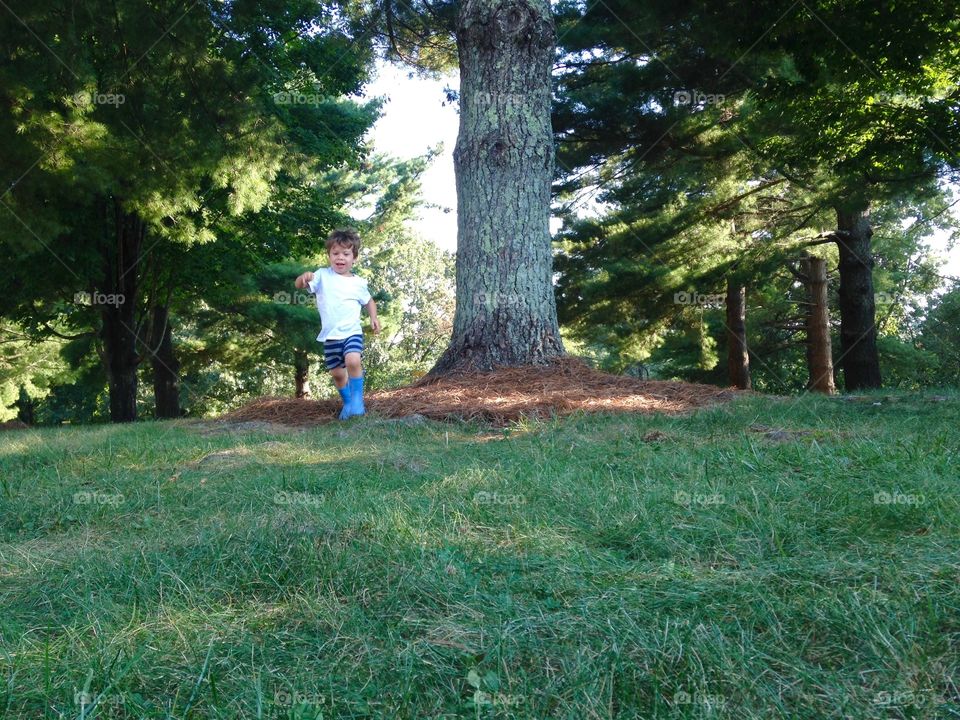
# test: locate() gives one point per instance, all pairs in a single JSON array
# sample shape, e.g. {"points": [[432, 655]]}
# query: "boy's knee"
{"points": [[353, 361]]}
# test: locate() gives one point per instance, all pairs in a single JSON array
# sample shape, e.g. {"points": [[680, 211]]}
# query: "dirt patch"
{"points": [[501, 397], [655, 436]]}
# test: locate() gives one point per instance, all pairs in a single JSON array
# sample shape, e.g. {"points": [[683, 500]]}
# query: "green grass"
{"points": [[581, 568]]}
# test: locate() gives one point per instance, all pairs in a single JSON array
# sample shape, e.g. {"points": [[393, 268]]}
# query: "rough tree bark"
{"points": [[819, 347], [166, 367], [738, 358], [506, 311], [117, 305], [858, 331], [301, 366]]}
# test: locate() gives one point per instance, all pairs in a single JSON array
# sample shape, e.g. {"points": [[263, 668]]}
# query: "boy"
{"points": [[340, 295]]}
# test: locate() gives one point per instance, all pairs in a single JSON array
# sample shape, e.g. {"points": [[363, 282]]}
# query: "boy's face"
{"points": [[341, 259]]}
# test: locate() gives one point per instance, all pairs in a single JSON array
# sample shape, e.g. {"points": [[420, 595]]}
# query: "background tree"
{"points": [[247, 320], [506, 310], [861, 116], [706, 84], [27, 371], [940, 336], [130, 126]]}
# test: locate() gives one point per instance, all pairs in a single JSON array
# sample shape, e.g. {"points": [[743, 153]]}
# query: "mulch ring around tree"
{"points": [[501, 397]]}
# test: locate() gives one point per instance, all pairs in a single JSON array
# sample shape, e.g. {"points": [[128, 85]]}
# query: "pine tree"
{"points": [[505, 310], [656, 99], [132, 126]]}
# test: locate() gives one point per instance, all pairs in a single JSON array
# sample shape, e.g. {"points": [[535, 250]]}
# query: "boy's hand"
{"points": [[302, 281], [374, 321]]}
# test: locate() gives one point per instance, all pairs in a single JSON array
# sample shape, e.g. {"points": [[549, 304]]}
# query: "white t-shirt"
{"points": [[339, 299]]}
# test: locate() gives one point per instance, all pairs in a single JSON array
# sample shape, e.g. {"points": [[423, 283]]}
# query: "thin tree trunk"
{"points": [[819, 348], [166, 367], [506, 311], [301, 365], [858, 331], [117, 305], [738, 358], [25, 407]]}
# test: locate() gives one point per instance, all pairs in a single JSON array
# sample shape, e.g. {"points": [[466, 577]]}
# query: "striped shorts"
{"points": [[335, 350]]}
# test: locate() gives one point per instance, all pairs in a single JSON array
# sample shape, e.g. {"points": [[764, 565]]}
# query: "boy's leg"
{"points": [[355, 373], [333, 359], [354, 365], [339, 376], [340, 380]]}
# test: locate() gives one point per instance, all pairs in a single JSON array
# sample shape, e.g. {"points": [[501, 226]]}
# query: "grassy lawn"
{"points": [[770, 558]]}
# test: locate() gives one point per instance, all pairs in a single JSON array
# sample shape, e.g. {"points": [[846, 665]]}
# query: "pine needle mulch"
{"points": [[502, 396]]}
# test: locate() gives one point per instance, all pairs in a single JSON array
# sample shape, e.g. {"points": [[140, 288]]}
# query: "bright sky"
{"points": [[415, 119]]}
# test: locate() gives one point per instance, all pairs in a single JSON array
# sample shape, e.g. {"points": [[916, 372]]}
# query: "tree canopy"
{"points": [[167, 168]]}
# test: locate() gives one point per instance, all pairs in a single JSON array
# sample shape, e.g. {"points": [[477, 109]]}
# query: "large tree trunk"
{"points": [[738, 359], [117, 305], [506, 311], [301, 366], [858, 330], [166, 367], [819, 347]]}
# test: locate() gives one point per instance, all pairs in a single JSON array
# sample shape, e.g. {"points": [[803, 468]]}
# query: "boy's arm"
{"points": [[372, 310], [303, 280]]}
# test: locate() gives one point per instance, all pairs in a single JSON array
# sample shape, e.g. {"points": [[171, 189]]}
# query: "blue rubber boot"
{"points": [[345, 395], [355, 407]]}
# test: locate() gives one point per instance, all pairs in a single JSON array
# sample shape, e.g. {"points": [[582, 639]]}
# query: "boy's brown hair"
{"points": [[345, 236]]}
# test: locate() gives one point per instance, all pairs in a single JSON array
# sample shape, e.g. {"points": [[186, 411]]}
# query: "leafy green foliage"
{"points": [[248, 328], [185, 122], [940, 335], [702, 144]]}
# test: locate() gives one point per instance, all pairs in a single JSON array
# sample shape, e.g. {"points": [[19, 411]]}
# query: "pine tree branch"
{"points": [[90, 333]]}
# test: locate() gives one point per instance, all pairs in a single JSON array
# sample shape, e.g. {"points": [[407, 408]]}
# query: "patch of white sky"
{"points": [[417, 116], [941, 242]]}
